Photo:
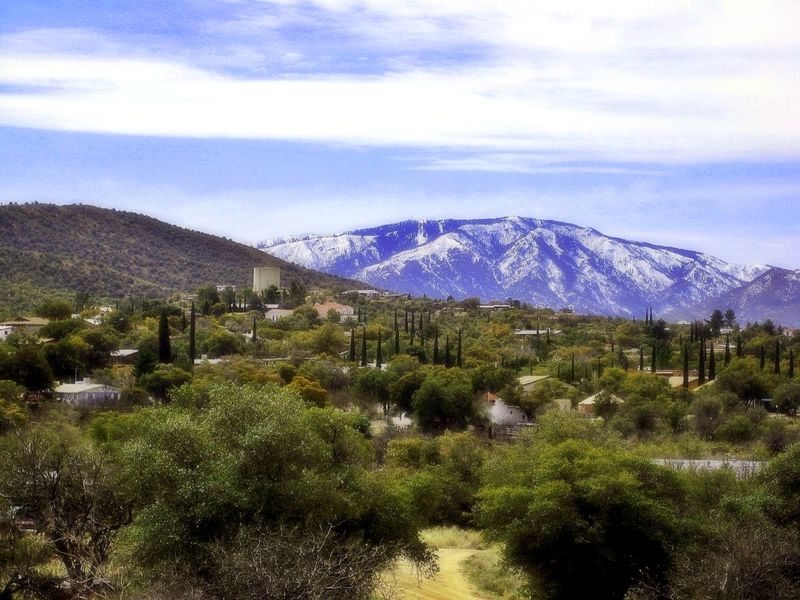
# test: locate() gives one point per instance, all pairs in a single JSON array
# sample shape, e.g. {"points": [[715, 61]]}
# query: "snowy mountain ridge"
{"points": [[546, 263]]}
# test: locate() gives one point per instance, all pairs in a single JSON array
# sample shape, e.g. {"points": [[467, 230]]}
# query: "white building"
{"points": [[86, 393], [263, 277], [5, 331]]}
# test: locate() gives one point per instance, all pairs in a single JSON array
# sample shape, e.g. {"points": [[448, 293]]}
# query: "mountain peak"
{"points": [[546, 263]]}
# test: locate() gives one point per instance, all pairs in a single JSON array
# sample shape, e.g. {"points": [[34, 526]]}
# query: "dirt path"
{"points": [[449, 583]]}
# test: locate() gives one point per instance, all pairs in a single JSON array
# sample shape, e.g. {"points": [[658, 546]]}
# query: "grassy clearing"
{"points": [[486, 572], [454, 537]]}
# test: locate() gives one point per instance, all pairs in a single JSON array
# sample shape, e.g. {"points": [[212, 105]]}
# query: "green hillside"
{"points": [[48, 249]]}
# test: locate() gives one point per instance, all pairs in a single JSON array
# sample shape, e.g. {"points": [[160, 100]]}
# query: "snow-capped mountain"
{"points": [[546, 263]]}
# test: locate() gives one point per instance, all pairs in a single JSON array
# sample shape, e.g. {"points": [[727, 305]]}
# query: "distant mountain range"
{"points": [[547, 263], [49, 249]]}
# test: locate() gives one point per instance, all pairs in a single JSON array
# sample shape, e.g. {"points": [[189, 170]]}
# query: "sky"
{"points": [[675, 123]]}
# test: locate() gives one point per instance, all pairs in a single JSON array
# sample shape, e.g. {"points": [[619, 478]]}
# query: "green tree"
{"points": [[54, 309], [255, 460], [787, 397], [581, 521], [192, 335], [162, 379], [443, 402]]}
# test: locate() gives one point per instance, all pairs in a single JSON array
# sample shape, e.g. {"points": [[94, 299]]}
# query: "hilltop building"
{"points": [[263, 277]]}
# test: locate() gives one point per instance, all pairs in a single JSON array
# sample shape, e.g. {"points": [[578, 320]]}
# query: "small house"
{"points": [[274, 314], [586, 406], [26, 325], [5, 331], [124, 356], [87, 394], [528, 382]]}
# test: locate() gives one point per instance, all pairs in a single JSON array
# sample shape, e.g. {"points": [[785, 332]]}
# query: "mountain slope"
{"points": [[547, 263], [47, 248]]}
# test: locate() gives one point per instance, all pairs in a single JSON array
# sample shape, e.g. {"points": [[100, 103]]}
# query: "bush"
{"points": [[737, 430]]}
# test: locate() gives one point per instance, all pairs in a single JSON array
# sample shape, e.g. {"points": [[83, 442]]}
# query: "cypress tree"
{"points": [[653, 361], [254, 338], [395, 319], [351, 356], [421, 331], [691, 332], [790, 372], [641, 359], [364, 347], [777, 366], [547, 339], [763, 358], [712, 364], [406, 322], [378, 355], [183, 321], [739, 349], [459, 364], [686, 367], [447, 351], [192, 351], [164, 348], [364, 319], [701, 364], [436, 346], [586, 371], [413, 332], [396, 341], [727, 350], [599, 368]]}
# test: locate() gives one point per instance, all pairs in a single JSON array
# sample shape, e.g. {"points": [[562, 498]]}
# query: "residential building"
{"points": [[26, 325], [586, 406], [345, 312], [86, 393], [5, 331], [273, 314], [528, 382]]}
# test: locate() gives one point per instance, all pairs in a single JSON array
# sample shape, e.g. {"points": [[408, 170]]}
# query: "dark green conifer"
{"points": [[255, 337], [192, 351], [763, 357], [790, 371], [378, 355], [164, 348], [686, 367], [739, 349], [712, 364], [701, 363], [413, 331], [364, 346], [641, 359], [776, 368], [727, 350], [351, 355], [447, 352], [459, 363], [653, 361], [436, 345]]}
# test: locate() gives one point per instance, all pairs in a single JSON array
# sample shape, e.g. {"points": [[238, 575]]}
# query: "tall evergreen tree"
{"points": [[255, 337], [686, 367], [776, 368], [459, 363], [421, 330], [727, 350], [739, 349], [351, 355], [701, 363], [164, 348], [396, 341], [653, 361], [413, 332], [436, 345], [406, 322], [790, 371], [378, 354], [763, 358], [547, 339], [447, 351], [183, 322], [641, 359], [192, 347], [599, 368], [364, 346], [712, 364]]}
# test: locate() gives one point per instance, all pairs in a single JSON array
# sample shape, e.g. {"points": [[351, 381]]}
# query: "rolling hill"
{"points": [[50, 249]]}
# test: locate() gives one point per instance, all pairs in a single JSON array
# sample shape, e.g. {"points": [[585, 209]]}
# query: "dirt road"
{"points": [[449, 584]]}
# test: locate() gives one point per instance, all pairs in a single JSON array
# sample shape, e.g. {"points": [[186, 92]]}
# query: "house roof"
{"points": [[26, 321], [536, 332], [531, 379], [123, 352], [591, 399], [81, 386], [677, 380], [324, 307]]}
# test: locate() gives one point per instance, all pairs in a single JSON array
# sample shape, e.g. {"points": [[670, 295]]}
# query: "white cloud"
{"points": [[626, 81]]}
